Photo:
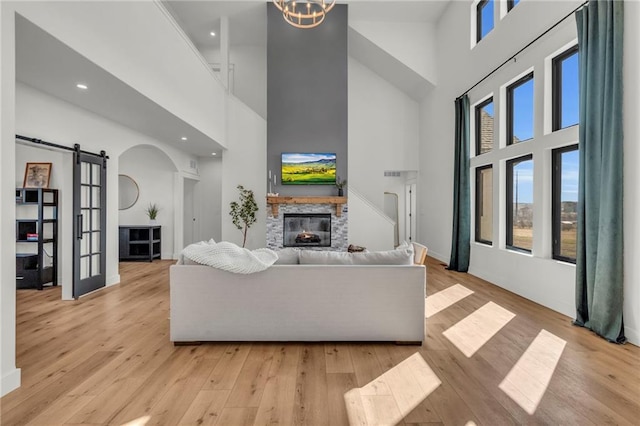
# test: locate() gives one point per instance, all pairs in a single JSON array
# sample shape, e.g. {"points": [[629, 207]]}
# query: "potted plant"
{"points": [[243, 213], [340, 184], [152, 211]]}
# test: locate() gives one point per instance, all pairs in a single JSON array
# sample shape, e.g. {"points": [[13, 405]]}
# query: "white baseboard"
{"points": [[10, 381], [167, 256], [632, 335], [440, 257], [112, 280]]}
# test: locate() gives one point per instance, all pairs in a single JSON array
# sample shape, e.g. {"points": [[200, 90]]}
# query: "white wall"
{"points": [[536, 277], [209, 192], [371, 229], [139, 43], [631, 174], [412, 43], [154, 172], [245, 163], [9, 374], [249, 74], [383, 132]]}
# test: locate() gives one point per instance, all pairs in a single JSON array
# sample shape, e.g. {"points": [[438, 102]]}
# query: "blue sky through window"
{"points": [[569, 178], [523, 111], [523, 182], [570, 91], [486, 19], [489, 109]]}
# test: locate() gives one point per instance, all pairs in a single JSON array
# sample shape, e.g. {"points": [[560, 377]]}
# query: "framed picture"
{"points": [[37, 175]]}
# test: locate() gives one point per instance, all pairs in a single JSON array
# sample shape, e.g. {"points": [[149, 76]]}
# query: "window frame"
{"points": [[556, 201], [509, 202], [479, 203], [481, 5], [509, 97], [556, 91], [478, 125]]}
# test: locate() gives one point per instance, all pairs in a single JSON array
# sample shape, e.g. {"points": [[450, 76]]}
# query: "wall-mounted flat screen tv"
{"points": [[308, 168]]}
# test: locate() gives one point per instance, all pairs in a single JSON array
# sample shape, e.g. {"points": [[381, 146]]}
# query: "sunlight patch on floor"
{"points": [[473, 331], [528, 380], [445, 298], [389, 398], [140, 421]]}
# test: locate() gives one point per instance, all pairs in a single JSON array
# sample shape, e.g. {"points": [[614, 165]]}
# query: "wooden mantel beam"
{"points": [[276, 201]]}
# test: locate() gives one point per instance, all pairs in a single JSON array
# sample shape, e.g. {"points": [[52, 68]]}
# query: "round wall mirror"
{"points": [[128, 192]]}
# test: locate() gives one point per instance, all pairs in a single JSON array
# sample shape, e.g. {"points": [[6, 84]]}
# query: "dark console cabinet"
{"points": [[140, 243]]}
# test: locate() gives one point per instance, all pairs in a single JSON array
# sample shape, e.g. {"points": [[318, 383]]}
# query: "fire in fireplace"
{"points": [[307, 230]]}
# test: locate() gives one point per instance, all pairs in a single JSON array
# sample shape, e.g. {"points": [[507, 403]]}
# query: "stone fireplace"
{"points": [[306, 230], [310, 225]]}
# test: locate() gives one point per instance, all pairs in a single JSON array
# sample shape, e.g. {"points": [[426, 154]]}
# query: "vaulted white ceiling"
{"points": [[385, 36], [249, 23]]}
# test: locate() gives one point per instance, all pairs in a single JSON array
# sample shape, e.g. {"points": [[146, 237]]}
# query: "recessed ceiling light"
{"points": [[184, 138], [212, 34], [82, 86], [213, 153]]}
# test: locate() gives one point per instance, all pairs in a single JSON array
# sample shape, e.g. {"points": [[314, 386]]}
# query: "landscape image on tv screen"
{"points": [[308, 169]]}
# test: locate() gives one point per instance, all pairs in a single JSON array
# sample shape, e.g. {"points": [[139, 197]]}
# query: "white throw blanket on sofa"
{"points": [[229, 257]]}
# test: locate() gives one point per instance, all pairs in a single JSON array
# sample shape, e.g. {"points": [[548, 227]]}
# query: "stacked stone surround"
{"points": [[339, 225]]}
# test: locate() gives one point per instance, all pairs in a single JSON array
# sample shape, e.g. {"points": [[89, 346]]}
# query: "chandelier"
{"points": [[304, 13]]}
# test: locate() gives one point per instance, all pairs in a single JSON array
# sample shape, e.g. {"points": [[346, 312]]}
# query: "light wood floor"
{"points": [[107, 359]]}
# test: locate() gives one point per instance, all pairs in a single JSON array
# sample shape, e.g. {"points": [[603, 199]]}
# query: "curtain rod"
{"points": [[55, 145], [521, 50]]}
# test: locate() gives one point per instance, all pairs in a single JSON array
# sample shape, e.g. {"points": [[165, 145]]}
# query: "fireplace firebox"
{"points": [[307, 230]]}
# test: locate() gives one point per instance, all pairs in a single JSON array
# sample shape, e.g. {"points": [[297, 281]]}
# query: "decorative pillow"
{"points": [[288, 256], [391, 257]]}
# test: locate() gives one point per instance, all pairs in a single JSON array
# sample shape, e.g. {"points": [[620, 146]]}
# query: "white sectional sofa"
{"points": [[299, 303]]}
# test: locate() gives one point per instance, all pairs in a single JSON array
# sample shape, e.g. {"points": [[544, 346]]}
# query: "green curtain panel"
{"points": [[460, 241], [599, 263]]}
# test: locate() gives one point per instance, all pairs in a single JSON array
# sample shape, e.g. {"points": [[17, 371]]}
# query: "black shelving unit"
{"points": [[140, 242], [36, 237]]}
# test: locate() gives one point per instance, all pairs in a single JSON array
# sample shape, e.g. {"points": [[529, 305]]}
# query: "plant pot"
{"points": [[153, 222], [340, 192]]}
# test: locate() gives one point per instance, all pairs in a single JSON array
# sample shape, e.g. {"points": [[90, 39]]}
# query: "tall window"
{"points": [[519, 199], [565, 89], [484, 18], [520, 110], [565, 202], [484, 127], [511, 4], [484, 204]]}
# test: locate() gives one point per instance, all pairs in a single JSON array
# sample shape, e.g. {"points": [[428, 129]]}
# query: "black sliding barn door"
{"points": [[89, 213]]}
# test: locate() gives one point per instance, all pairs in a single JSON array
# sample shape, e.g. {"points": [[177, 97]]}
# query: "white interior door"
{"points": [[190, 219], [411, 215]]}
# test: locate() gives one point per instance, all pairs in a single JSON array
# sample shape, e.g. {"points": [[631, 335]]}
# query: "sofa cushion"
{"points": [[288, 256], [312, 257], [391, 257]]}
